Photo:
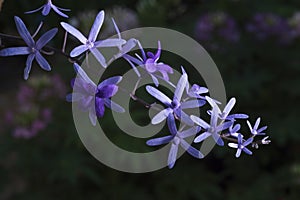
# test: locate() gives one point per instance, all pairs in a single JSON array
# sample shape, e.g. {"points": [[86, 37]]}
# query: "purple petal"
{"points": [[238, 153], [213, 103], [133, 67], [218, 139], [42, 61], [96, 26], [172, 124], [224, 126], [99, 57], [158, 95], [32, 11], [13, 51], [184, 117], [202, 137], [247, 151], [160, 141], [189, 132], [113, 106], [46, 9], [157, 55], [200, 122], [191, 150], [229, 107], [28, 65], [57, 10], [172, 155], [78, 50], [180, 87], [110, 43], [83, 75], [107, 91], [235, 128], [130, 44], [237, 116], [262, 129], [110, 81], [155, 80], [247, 142], [73, 31], [192, 104], [256, 124], [99, 103], [45, 38], [24, 32], [117, 28], [161, 116]]}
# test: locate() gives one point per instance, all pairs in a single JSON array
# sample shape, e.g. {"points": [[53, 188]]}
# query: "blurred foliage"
{"points": [[262, 75]]}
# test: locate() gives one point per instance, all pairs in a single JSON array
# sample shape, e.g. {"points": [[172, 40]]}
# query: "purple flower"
{"points": [[94, 98], [196, 91], [47, 7], [90, 43], [177, 138], [266, 25], [254, 130], [22, 132], [217, 24], [149, 62], [241, 146], [33, 50], [174, 106]]}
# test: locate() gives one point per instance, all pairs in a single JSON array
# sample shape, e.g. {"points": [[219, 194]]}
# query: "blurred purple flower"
{"points": [[270, 25], [177, 138], [25, 94], [93, 98], [217, 24], [47, 7], [22, 132], [33, 50], [46, 115], [241, 145], [254, 130], [90, 43]]}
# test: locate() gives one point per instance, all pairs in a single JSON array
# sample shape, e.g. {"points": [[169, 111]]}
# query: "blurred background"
{"points": [[255, 45]]}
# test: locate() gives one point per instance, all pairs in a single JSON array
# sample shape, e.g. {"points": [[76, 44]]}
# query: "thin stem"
{"points": [[63, 49]]}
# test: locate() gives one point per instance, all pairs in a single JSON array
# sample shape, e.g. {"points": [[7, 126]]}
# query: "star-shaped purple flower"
{"points": [[174, 106], [90, 43], [254, 130], [33, 50], [177, 138], [93, 98], [47, 7], [241, 146]]}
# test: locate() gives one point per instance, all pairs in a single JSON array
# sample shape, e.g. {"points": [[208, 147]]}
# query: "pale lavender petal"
{"points": [[229, 107], [191, 150], [155, 80], [189, 132], [13, 51], [99, 57], [160, 141], [28, 65], [78, 50], [200, 122], [73, 31], [249, 125], [237, 116], [161, 116], [42, 61], [110, 43], [238, 153], [96, 27], [214, 117], [24, 32], [157, 55], [114, 106], [130, 44], [133, 67], [192, 104], [256, 124], [45, 38], [180, 87], [142, 51], [117, 28], [233, 145], [134, 60], [57, 10], [172, 155], [83, 75], [202, 137], [158, 95]]}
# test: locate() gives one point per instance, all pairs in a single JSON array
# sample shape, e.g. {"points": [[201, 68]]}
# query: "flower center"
{"points": [[90, 44], [175, 104]]}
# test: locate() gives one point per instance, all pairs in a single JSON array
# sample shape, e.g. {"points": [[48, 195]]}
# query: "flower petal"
{"points": [[155, 80], [247, 142], [256, 124], [160, 141], [57, 10], [78, 50], [200, 122], [23, 31], [28, 65], [172, 124], [46, 9], [92, 116], [107, 91], [110, 43], [110, 81], [45, 38], [238, 153], [233, 145], [99, 57], [13, 51], [32, 11], [83, 75], [73, 31], [192, 104], [42, 61], [229, 107], [99, 104], [158, 95], [247, 151], [180, 87], [113, 106], [191, 150], [161, 116], [189, 132], [202, 137], [172, 155], [96, 27]]}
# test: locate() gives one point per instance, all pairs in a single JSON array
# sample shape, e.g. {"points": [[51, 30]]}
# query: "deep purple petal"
{"points": [[107, 91], [42, 61], [13, 51], [28, 65], [172, 124], [24, 33], [247, 151], [99, 105], [247, 142], [110, 81]]}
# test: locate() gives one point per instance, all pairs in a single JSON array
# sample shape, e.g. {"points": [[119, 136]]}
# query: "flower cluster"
{"points": [[95, 98]]}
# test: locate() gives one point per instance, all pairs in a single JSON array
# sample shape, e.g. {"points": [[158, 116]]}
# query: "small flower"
{"points": [[265, 141], [33, 50], [213, 129], [47, 7], [233, 130], [241, 146], [174, 106], [150, 63], [196, 91], [254, 130], [90, 43], [177, 138], [94, 98]]}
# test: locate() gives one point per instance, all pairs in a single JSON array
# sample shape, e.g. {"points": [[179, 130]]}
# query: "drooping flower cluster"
{"points": [[95, 98]]}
